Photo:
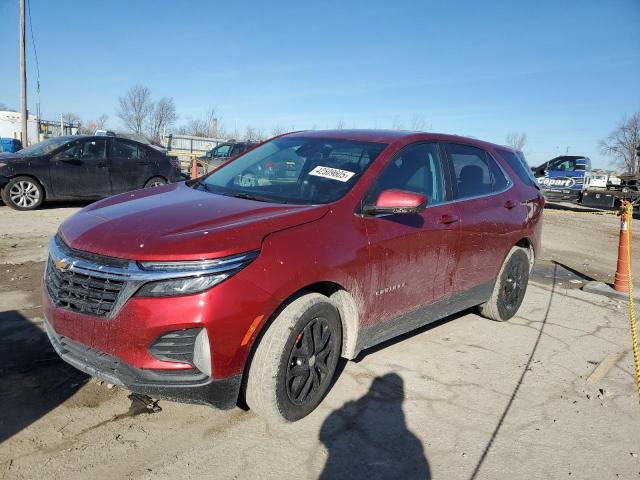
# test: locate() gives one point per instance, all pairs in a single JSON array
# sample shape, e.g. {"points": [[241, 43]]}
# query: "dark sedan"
{"points": [[81, 168]]}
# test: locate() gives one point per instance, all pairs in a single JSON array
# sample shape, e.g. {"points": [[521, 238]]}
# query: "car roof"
{"points": [[568, 157], [102, 137], [392, 136]]}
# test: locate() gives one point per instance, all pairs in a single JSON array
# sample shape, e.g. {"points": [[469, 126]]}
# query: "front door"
{"points": [[411, 255], [81, 169]]}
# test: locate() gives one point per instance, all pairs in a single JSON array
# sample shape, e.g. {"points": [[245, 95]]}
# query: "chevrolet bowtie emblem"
{"points": [[61, 265]]}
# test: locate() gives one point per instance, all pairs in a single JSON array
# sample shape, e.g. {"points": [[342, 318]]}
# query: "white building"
{"points": [[11, 127]]}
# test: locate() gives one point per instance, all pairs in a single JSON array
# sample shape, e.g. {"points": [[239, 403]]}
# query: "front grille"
{"points": [[82, 293]]}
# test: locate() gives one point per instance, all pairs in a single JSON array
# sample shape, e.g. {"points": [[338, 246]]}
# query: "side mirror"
{"points": [[397, 201]]}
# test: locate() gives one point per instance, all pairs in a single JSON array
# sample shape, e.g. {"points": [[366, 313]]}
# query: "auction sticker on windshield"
{"points": [[332, 173]]}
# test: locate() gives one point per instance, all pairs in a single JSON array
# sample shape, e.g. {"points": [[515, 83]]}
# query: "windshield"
{"points": [[295, 170], [44, 147]]}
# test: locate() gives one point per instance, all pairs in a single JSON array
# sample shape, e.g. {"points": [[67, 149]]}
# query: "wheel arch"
{"points": [[341, 299], [349, 314], [527, 245], [33, 177], [155, 176]]}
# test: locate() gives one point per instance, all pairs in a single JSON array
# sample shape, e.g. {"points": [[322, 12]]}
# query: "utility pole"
{"points": [[23, 77]]}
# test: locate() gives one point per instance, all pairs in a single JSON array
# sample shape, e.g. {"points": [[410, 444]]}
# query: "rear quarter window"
{"points": [[519, 165]]}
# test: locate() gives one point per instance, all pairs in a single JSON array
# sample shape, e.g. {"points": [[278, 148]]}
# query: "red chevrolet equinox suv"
{"points": [[245, 285]]}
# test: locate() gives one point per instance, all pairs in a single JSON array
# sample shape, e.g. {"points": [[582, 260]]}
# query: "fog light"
{"points": [[202, 352]]}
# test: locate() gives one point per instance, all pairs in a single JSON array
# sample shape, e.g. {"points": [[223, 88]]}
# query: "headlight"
{"points": [[185, 278], [181, 286]]}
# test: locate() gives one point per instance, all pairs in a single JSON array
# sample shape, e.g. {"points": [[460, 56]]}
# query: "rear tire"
{"points": [[295, 361], [510, 287], [23, 193], [155, 182]]}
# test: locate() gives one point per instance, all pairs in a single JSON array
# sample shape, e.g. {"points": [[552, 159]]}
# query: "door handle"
{"points": [[447, 219], [101, 164], [509, 204]]}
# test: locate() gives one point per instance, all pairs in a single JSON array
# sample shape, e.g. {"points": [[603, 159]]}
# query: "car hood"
{"points": [[9, 157], [176, 222]]}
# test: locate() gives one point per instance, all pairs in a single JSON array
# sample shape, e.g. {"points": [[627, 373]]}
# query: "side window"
{"points": [[221, 151], [74, 150], [519, 165], [93, 150], [418, 168], [563, 165], [125, 150], [85, 150], [476, 171]]}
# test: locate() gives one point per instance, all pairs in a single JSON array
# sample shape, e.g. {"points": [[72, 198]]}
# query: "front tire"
{"points": [[296, 359], [23, 193], [510, 287]]}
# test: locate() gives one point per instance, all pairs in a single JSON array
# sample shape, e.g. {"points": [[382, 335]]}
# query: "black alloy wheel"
{"points": [[310, 366]]}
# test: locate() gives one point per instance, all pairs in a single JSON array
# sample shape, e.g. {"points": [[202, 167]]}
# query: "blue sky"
{"points": [[564, 72]]}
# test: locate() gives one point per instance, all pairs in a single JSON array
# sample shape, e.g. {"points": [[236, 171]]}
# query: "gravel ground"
{"points": [[549, 394]]}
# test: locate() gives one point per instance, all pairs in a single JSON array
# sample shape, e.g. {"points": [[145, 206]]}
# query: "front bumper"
{"points": [[3, 181], [186, 386]]}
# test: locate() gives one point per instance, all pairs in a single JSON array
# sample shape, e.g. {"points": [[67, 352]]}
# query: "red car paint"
{"points": [[387, 268]]}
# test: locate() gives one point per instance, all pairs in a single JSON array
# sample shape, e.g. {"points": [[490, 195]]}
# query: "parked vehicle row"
{"points": [[254, 280], [81, 168]]}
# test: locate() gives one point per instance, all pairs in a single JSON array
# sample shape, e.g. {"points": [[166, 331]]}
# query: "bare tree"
{"points": [[4, 108], [71, 118], [90, 127], [101, 122], [164, 115], [418, 123], [340, 124], [621, 144], [136, 107], [397, 124], [206, 126], [198, 127], [517, 141], [280, 130], [252, 134]]}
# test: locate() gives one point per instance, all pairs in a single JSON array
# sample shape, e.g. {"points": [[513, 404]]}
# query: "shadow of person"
{"points": [[33, 379], [368, 438]]}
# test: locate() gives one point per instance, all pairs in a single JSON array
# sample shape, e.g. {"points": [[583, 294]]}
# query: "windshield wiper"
{"points": [[251, 196]]}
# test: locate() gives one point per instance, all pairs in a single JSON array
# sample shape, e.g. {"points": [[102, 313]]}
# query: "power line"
{"points": [[33, 42], [35, 54]]}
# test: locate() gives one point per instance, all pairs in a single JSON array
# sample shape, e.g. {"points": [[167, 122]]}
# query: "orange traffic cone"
{"points": [[621, 282], [194, 168]]}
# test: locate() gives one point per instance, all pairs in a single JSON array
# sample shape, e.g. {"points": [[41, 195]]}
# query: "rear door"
{"points": [[81, 169], [411, 254], [490, 214], [131, 165]]}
